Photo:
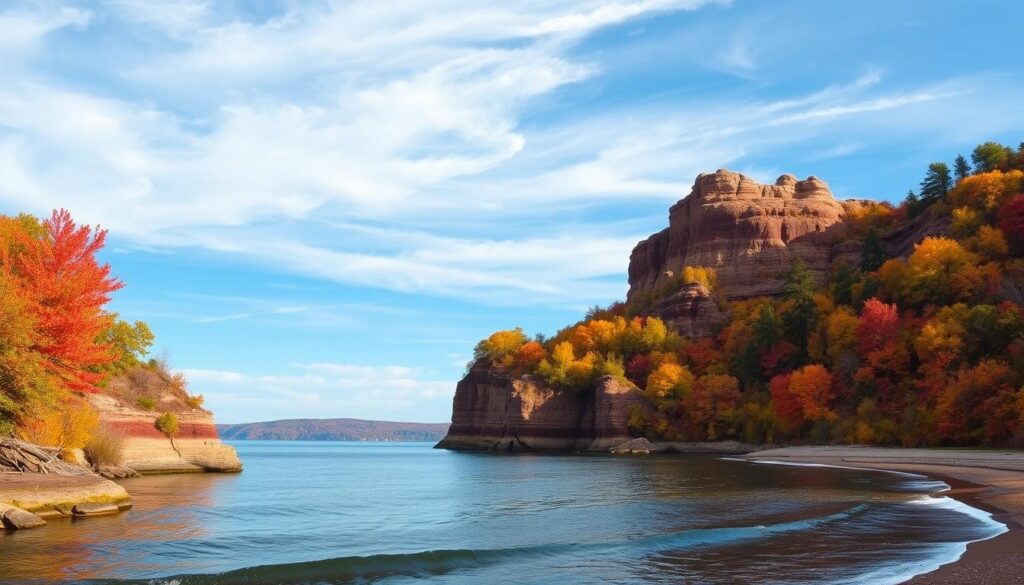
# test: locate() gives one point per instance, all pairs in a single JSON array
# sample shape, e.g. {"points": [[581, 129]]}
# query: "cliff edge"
{"points": [[748, 232], [495, 411]]}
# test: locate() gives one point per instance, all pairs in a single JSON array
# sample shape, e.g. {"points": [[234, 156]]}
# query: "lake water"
{"points": [[325, 512]]}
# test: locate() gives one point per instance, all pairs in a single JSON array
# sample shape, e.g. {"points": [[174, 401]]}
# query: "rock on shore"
{"points": [[493, 411]]}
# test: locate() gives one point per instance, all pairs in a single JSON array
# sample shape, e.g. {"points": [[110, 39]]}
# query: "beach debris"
{"points": [[17, 455]]}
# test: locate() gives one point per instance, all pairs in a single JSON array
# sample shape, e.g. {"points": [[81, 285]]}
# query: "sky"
{"points": [[320, 207]]}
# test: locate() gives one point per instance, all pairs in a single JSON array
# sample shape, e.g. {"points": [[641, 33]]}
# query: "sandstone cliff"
{"points": [[493, 411], [196, 447], [749, 232]]}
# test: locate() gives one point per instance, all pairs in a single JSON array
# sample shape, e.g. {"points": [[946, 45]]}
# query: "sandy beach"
{"points": [[989, 480]]}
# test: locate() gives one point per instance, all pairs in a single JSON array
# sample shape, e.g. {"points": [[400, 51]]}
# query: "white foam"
{"points": [[801, 464]]}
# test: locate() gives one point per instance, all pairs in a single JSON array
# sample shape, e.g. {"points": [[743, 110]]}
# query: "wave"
{"points": [[361, 569]]}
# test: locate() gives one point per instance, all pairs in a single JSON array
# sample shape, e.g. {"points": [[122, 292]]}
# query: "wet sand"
{"points": [[988, 480]]}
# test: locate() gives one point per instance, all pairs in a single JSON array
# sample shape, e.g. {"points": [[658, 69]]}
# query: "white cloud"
{"points": [[22, 29], [324, 390], [368, 144]]}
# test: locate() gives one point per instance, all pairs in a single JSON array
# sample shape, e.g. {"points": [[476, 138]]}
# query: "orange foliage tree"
{"points": [[67, 288]]}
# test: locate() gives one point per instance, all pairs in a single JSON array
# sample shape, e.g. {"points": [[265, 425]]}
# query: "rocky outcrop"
{"points": [[691, 311], [900, 240], [18, 519], [494, 411], [749, 232], [146, 450]]}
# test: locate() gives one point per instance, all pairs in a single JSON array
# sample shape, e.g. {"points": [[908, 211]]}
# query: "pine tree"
{"points": [[936, 183], [960, 168], [912, 204], [874, 253], [799, 289]]}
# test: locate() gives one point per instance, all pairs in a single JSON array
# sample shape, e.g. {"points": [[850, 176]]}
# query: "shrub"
{"points": [[195, 401], [146, 403], [69, 425], [104, 448], [167, 423]]}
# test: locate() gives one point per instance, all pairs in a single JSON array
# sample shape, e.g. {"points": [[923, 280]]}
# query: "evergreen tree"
{"points": [[841, 284], [960, 168], [799, 289], [989, 156], [912, 203], [873, 254], [766, 328], [936, 183]]}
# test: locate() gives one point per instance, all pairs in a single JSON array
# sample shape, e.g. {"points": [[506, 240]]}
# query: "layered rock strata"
{"points": [[196, 447], [749, 232], [494, 411]]}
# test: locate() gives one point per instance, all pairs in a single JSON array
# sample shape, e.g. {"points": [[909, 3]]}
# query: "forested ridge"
{"points": [[926, 349]]}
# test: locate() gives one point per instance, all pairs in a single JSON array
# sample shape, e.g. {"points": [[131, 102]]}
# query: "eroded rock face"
{"points": [[146, 450], [749, 232], [493, 411], [691, 311]]}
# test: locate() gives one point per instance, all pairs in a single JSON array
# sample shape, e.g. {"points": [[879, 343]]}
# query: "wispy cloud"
{"points": [[319, 388], [352, 143]]}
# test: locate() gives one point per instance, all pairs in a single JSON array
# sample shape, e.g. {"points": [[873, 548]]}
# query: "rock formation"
{"points": [[749, 232], [195, 448], [691, 311], [493, 411]]}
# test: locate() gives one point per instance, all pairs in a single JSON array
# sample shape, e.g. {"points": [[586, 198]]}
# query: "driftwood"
{"points": [[25, 457]]}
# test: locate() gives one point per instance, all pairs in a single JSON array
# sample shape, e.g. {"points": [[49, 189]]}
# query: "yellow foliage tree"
{"points": [[669, 380], [991, 243], [501, 347], [67, 426], [966, 221], [987, 191], [700, 275], [943, 334]]}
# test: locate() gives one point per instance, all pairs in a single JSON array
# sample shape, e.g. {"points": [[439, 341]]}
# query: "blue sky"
{"points": [[319, 207]]}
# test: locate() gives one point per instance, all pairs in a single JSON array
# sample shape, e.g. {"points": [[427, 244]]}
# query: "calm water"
{"points": [[402, 513]]}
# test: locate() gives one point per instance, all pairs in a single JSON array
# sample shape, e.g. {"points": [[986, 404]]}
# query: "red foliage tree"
{"points": [[67, 288], [879, 325], [1011, 222], [787, 408], [638, 369]]}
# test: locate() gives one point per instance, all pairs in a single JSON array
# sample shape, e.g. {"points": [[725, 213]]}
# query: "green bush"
{"points": [[146, 403], [167, 423]]}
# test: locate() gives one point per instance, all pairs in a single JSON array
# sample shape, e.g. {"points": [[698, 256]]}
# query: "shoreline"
{"points": [[986, 480]]}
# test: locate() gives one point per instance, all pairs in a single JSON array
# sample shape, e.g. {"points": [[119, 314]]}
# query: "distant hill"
{"points": [[334, 429]]}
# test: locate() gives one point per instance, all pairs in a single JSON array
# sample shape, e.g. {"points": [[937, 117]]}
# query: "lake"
{"points": [[335, 512]]}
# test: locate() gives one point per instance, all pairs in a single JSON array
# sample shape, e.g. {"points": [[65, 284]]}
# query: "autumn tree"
{"points": [[669, 380], [130, 342], [67, 288], [713, 399], [500, 347], [1011, 222], [811, 385]]}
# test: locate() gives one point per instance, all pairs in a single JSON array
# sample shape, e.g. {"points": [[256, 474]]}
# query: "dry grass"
{"points": [[105, 448]]}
